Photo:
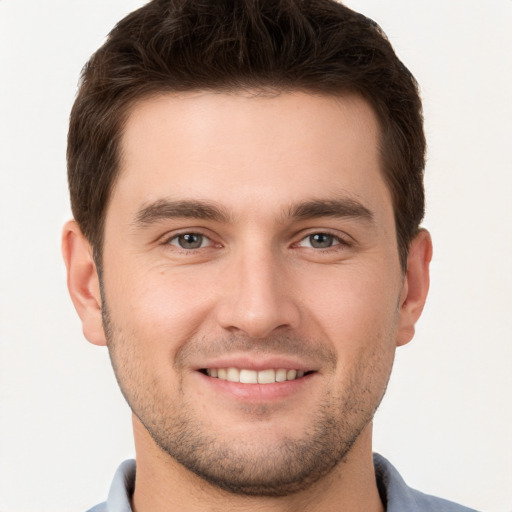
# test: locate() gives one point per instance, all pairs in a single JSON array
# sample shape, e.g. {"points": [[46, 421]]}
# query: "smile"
{"points": [[245, 376]]}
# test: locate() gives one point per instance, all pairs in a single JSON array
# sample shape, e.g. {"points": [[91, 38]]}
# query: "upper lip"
{"points": [[257, 363]]}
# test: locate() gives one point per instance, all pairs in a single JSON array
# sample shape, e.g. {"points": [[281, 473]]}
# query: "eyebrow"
{"points": [[337, 208], [166, 209]]}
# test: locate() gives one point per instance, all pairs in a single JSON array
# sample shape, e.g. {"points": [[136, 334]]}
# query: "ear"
{"points": [[83, 282], [415, 287]]}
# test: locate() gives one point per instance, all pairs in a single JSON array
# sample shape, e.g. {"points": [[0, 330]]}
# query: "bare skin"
{"points": [[257, 234]]}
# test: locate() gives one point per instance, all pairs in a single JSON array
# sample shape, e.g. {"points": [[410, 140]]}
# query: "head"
{"points": [[319, 47], [248, 176]]}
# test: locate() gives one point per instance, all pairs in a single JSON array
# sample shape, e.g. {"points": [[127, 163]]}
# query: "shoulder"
{"points": [[121, 490], [102, 507], [399, 497], [427, 502]]}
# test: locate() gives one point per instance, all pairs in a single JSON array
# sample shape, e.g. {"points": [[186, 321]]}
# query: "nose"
{"points": [[258, 295]]}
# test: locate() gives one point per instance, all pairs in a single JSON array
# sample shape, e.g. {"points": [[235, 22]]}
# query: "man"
{"points": [[246, 182]]}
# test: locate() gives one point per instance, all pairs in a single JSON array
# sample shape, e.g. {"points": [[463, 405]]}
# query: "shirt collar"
{"points": [[394, 492]]}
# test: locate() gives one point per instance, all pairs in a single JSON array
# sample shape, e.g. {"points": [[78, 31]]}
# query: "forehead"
{"points": [[236, 147]]}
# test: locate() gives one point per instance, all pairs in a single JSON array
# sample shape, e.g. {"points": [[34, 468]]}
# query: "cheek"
{"points": [[356, 312], [362, 328], [156, 307], [360, 299]]}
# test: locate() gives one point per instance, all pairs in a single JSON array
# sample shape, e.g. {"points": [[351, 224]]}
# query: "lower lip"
{"points": [[257, 393]]}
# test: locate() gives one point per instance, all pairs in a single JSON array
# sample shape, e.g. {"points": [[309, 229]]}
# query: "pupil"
{"points": [[190, 241], [321, 240]]}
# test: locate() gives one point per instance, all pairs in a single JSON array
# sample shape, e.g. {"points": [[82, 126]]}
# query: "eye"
{"points": [[190, 241], [320, 241]]}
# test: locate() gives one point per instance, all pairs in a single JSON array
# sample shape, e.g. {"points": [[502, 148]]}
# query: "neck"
{"points": [[165, 485]]}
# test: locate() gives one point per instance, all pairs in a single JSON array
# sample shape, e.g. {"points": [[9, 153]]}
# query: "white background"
{"points": [[446, 422]]}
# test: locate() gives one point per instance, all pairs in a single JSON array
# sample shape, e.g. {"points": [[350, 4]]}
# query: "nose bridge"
{"points": [[258, 299]]}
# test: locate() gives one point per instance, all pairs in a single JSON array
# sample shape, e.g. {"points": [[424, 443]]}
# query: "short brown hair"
{"points": [[317, 46]]}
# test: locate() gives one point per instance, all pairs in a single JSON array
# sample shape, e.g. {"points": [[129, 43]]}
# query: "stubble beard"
{"points": [[236, 465]]}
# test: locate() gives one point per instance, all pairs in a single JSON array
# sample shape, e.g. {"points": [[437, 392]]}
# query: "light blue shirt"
{"points": [[395, 493]]}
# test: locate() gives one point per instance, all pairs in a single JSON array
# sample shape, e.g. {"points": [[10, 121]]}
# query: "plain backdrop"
{"points": [[446, 420]]}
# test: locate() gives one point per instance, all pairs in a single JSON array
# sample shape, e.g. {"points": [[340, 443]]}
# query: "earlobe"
{"points": [[415, 287], [83, 282]]}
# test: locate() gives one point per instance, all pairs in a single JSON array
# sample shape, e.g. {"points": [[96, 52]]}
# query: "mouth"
{"points": [[247, 376]]}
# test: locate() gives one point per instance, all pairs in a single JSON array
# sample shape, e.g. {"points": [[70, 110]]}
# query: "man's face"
{"points": [[252, 239]]}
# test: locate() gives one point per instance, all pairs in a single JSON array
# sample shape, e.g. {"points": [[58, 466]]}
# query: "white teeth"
{"points": [[280, 375], [248, 376], [266, 377], [254, 377], [290, 374], [233, 375]]}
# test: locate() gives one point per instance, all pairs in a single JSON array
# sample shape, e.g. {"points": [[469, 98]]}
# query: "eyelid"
{"points": [[342, 239], [205, 241], [169, 237]]}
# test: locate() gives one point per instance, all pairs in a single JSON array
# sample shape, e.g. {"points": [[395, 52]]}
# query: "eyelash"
{"points": [[339, 243], [175, 237]]}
